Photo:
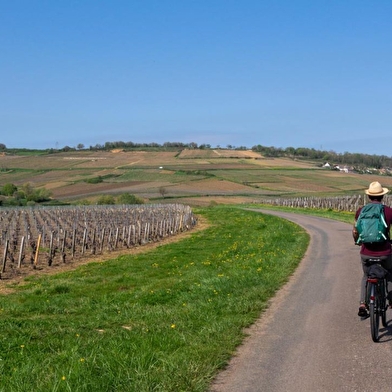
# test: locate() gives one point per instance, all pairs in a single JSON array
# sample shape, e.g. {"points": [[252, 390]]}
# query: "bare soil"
{"points": [[65, 174]]}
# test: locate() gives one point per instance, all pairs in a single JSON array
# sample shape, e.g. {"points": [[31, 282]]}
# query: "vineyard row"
{"points": [[31, 237], [339, 203]]}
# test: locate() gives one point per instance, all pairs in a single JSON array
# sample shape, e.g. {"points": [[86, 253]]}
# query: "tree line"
{"points": [[346, 158]]}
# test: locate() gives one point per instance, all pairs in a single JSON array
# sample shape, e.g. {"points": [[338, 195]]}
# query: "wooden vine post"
{"points": [[93, 246], [37, 252], [21, 252], [4, 257], [84, 240], [63, 246], [61, 232], [73, 243], [101, 240]]}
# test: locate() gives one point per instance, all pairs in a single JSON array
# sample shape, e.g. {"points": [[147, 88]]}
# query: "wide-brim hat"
{"points": [[375, 189]]}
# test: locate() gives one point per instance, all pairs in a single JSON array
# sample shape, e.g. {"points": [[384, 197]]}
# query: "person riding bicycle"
{"points": [[380, 250]]}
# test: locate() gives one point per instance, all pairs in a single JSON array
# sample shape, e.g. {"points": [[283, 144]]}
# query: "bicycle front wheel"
{"points": [[374, 313]]}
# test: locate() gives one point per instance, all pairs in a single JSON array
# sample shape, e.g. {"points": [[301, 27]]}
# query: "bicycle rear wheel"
{"points": [[374, 313], [383, 303]]}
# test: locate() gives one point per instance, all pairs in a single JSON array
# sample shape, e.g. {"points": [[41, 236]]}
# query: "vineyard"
{"points": [[37, 236], [339, 203]]}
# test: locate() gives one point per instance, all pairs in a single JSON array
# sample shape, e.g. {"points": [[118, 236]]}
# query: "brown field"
{"points": [[194, 176], [218, 153]]}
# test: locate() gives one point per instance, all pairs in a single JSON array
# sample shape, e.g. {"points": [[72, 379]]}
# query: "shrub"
{"points": [[106, 199], [8, 189], [94, 180], [127, 198]]}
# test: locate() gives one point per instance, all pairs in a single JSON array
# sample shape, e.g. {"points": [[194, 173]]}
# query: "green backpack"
{"points": [[371, 224]]}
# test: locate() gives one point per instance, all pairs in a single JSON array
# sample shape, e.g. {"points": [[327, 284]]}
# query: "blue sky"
{"points": [[280, 73]]}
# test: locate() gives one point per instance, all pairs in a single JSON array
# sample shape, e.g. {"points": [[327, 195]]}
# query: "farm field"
{"points": [[195, 175]]}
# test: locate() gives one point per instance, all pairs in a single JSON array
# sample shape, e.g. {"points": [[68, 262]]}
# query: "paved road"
{"points": [[311, 339]]}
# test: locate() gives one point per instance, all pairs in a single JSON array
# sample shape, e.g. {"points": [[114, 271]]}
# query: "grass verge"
{"points": [[165, 320], [343, 216]]}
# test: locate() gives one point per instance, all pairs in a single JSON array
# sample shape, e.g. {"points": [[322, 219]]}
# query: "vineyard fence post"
{"points": [[5, 256], [37, 251], [73, 243], [21, 251]]}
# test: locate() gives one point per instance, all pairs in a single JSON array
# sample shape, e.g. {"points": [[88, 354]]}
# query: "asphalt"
{"points": [[310, 339]]}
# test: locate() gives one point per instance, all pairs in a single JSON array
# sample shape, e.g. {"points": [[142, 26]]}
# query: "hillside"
{"points": [[192, 176]]}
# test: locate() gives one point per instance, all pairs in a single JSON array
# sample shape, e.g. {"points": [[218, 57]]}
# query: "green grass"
{"points": [[294, 181], [165, 320], [157, 175]]}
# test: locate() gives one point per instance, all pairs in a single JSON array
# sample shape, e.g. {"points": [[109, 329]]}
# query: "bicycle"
{"points": [[376, 296]]}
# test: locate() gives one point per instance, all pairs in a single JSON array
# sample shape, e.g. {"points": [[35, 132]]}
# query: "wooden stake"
{"points": [[37, 251], [4, 257], [21, 252]]}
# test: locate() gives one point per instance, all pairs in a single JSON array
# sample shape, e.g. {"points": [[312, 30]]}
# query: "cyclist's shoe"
{"points": [[362, 311], [389, 298]]}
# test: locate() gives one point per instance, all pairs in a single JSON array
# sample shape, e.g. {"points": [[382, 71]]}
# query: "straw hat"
{"points": [[375, 189]]}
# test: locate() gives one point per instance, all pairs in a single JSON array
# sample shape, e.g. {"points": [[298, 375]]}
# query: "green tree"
{"points": [[9, 189], [41, 194], [27, 190], [67, 148], [31, 194]]}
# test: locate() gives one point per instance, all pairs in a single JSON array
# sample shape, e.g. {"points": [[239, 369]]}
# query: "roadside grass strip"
{"points": [[342, 216], [165, 320]]}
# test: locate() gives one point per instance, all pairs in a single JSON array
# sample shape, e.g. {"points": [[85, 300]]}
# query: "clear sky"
{"points": [[282, 73]]}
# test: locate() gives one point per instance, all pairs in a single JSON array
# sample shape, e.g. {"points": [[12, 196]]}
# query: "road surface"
{"points": [[311, 339]]}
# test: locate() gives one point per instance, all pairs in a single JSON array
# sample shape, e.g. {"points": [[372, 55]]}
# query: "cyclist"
{"points": [[380, 250]]}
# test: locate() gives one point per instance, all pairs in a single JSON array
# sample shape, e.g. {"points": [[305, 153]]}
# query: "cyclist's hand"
{"points": [[355, 233]]}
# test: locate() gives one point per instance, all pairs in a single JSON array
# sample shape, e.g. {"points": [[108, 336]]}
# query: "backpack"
{"points": [[371, 224]]}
